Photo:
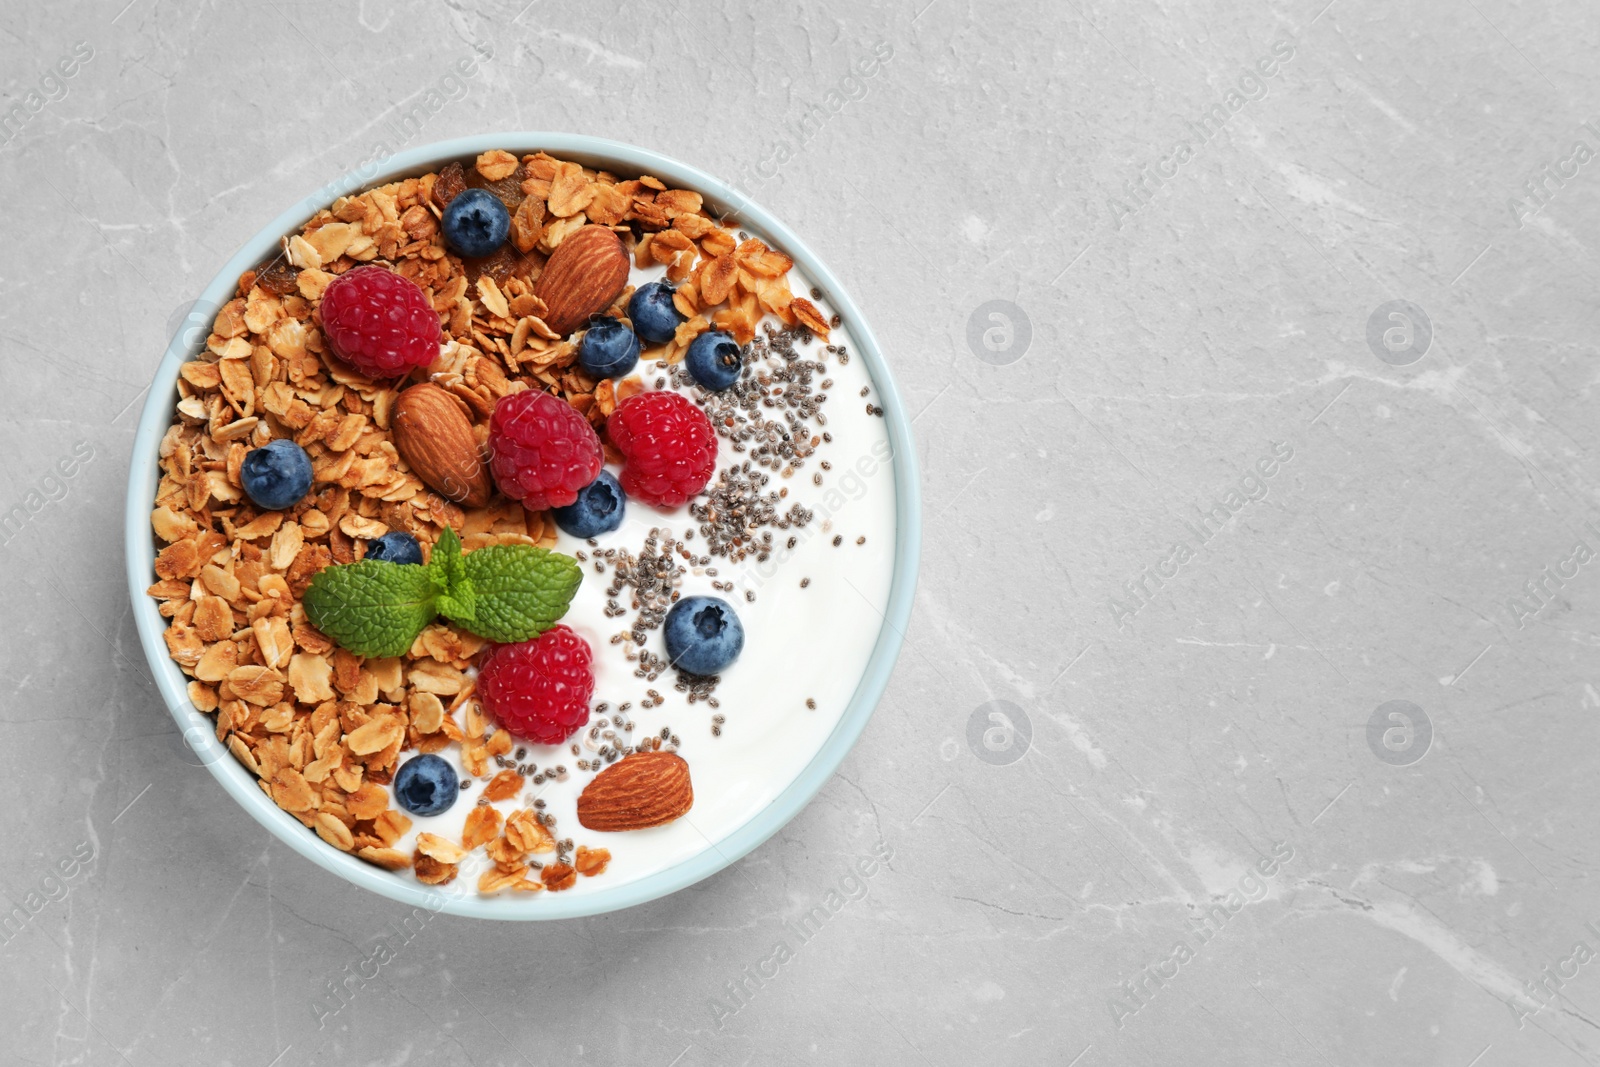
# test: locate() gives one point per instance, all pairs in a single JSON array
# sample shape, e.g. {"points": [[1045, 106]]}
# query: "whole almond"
{"points": [[436, 439], [585, 274], [644, 789]]}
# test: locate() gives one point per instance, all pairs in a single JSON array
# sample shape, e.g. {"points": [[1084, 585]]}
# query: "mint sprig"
{"points": [[374, 607], [506, 593], [520, 590], [448, 568]]}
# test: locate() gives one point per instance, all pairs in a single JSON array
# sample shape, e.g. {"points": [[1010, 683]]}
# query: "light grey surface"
{"points": [[1172, 343]]}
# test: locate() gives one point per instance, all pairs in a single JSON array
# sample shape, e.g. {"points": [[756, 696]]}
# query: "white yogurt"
{"points": [[800, 643]]}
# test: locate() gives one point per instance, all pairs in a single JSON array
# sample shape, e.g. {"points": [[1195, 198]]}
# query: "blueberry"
{"points": [[426, 785], [396, 546], [654, 317], [276, 475], [476, 223], [608, 349], [703, 634], [597, 510], [714, 359]]}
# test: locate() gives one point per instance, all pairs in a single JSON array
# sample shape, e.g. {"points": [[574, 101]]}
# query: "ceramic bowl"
{"points": [[198, 729]]}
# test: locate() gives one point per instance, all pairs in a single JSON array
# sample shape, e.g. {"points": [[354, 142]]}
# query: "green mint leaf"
{"points": [[445, 562], [457, 600], [374, 607], [460, 607], [521, 591]]}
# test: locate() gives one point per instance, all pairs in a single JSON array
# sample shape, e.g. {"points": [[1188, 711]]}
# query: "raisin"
{"points": [[508, 190], [503, 264], [448, 185], [278, 278]]}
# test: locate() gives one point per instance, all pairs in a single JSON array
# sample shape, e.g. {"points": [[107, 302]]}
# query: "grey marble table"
{"points": [[1248, 714]]}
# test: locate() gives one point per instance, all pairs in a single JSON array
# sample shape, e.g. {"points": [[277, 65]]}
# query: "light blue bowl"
{"points": [[199, 730]]}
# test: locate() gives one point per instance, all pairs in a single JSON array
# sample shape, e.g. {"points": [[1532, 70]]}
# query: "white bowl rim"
{"points": [[198, 730]]}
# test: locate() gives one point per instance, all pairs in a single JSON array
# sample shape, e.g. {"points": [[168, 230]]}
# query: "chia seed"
{"points": [[654, 576], [699, 687], [737, 513], [776, 379]]}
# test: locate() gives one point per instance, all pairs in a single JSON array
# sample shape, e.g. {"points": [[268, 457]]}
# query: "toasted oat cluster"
{"points": [[321, 727]]}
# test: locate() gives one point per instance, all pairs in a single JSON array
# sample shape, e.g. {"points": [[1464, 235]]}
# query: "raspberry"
{"points": [[542, 451], [669, 444], [540, 689], [380, 322]]}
